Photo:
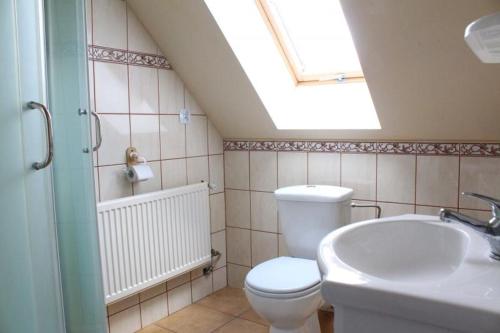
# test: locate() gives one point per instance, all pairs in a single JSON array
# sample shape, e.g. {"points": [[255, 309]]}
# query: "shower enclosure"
{"points": [[49, 262]]}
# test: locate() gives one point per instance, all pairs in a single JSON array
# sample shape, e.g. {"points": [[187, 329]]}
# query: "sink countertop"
{"points": [[467, 299]]}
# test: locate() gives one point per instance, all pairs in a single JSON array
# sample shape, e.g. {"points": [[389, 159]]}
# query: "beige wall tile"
{"points": [[479, 175], [112, 182], [282, 248], [263, 170], [391, 209], [220, 278], [143, 89], [219, 244], [214, 140], [196, 273], [324, 169], [115, 139], [236, 275], [396, 178], [122, 304], [427, 210], [292, 168], [111, 87], [217, 212], [146, 135], [437, 180], [171, 92], [153, 291], [359, 173], [201, 287], [138, 38], [238, 246], [264, 246], [110, 23], [178, 281], [127, 321], [478, 214], [216, 167], [264, 212], [238, 208], [179, 298], [173, 137], [154, 309], [236, 169], [197, 169], [191, 103], [196, 137], [174, 173], [150, 185]]}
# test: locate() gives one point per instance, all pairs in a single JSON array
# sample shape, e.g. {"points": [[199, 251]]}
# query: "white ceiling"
{"points": [[425, 83]]}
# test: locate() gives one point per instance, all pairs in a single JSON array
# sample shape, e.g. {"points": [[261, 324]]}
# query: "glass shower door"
{"points": [[30, 297]]}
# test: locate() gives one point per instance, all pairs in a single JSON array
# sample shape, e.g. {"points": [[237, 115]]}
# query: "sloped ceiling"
{"points": [[425, 82]]}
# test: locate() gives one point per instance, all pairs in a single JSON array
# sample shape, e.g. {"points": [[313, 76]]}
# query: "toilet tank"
{"points": [[307, 213]]}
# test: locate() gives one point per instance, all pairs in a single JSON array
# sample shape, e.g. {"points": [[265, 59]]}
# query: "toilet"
{"points": [[286, 290]]}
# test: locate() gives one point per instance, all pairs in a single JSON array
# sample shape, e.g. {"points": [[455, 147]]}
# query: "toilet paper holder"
{"points": [[133, 157], [137, 169]]}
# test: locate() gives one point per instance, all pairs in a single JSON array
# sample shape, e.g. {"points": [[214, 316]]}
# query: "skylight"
{"points": [[314, 38], [320, 53]]}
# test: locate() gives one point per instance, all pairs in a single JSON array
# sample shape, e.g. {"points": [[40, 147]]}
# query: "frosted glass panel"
{"points": [[73, 178], [30, 298]]}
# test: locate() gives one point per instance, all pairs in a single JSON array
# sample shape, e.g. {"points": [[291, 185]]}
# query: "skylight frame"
{"points": [[290, 58]]}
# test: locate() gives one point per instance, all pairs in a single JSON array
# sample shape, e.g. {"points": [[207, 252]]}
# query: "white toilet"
{"points": [[286, 290]]}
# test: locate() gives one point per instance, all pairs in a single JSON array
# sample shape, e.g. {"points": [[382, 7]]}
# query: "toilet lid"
{"points": [[284, 275]]}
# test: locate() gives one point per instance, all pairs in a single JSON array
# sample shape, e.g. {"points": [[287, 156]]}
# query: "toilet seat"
{"points": [[284, 277]]}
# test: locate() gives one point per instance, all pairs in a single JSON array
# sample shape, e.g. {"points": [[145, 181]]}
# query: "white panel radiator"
{"points": [[149, 238]]}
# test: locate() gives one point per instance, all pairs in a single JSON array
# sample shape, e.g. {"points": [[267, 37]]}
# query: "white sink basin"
{"points": [[412, 274], [408, 250]]}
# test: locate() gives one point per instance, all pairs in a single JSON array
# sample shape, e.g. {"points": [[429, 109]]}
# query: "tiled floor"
{"points": [[226, 311]]}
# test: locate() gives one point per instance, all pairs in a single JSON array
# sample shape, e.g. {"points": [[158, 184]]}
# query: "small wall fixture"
{"points": [[137, 168]]}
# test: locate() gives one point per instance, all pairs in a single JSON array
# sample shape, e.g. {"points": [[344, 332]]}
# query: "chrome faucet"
{"points": [[490, 229]]}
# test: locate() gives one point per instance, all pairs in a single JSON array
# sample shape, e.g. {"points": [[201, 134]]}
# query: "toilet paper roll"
{"points": [[139, 173]]}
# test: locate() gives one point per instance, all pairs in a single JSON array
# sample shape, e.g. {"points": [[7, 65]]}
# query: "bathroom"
{"points": [[220, 166]]}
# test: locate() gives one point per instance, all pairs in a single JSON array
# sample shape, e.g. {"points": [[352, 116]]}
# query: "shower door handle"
{"points": [[98, 130], [50, 137]]}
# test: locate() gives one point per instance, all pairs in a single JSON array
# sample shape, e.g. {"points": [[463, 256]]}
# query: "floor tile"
{"points": [[242, 326], [153, 329], [326, 321], [228, 300], [253, 316], [195, 319]]}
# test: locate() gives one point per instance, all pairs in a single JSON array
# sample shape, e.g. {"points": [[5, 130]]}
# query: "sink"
{"points": [[410, 273], [406, 251]]}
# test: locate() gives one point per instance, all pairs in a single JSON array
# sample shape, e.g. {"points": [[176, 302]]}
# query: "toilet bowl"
{"points": [[286, 290]]}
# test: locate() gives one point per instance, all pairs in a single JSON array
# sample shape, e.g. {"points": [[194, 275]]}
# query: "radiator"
{"points": [[147, 239]]}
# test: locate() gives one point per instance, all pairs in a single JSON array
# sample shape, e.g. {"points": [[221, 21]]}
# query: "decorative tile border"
{"points": [[358, 147], [396, 148], [118, 56], [408, 148], [480, 149], [438, 148]]}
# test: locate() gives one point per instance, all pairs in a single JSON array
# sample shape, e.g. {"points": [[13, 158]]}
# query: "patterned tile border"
{"points": [[441, 149], [118, 56]]}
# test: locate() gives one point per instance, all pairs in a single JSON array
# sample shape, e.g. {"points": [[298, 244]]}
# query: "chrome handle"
{"points": [[50, 137], [494, 203], [98, 130]]}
